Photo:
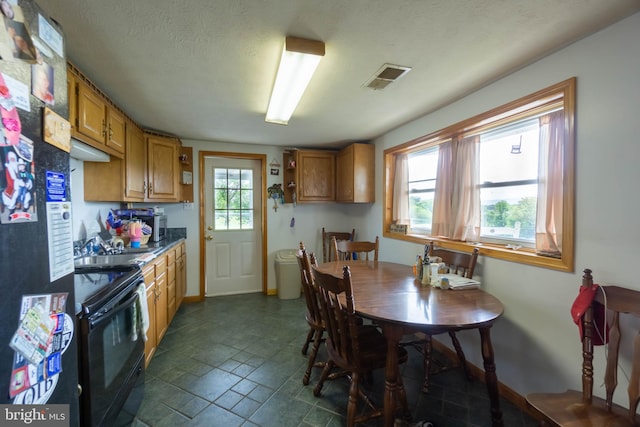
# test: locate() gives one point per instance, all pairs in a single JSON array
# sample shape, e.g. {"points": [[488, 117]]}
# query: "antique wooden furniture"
{"points": [[464, 265], [361, 250], [356, 349], [575, 408], [327, 246], [313, 317], [389, 294]]}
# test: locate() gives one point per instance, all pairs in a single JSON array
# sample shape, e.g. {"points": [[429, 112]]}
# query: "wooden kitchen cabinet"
{"points": [[71, 96], [119, 180], [355, 174], [162, 168], [155, 279], [151, 343], [186, 174], [165, 282], [311, 174], [162, 319], [171, 284], [94, 119], [181, 274], [149, 172], [135, 165]]}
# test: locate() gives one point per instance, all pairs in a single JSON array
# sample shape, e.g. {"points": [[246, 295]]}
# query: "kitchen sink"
{"points": [[108, 260], [137, 250]]}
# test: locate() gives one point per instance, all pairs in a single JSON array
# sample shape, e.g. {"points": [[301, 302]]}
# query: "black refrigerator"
{"points": [[38, 351]]}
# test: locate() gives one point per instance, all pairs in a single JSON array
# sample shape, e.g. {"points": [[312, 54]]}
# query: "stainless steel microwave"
{"points": [[158, 224]]}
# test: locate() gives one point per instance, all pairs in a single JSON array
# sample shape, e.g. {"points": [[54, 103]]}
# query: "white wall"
{"points": [[85, 214], [536, 344], [309, 219]]}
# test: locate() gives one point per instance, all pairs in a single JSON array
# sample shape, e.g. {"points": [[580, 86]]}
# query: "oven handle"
{"points": [[100, 317]]}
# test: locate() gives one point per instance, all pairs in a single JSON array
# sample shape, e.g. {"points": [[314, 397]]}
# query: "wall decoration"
{"points": [[276, 193]]}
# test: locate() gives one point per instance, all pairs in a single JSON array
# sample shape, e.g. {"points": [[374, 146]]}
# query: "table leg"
{"points": [[392, 388], [490, 377]]}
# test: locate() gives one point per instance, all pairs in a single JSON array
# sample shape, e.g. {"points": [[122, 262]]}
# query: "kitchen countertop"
{"points": [[139, 256]]}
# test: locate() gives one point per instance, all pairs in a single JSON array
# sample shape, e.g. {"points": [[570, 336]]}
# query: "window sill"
{"points": [[523, 256]]}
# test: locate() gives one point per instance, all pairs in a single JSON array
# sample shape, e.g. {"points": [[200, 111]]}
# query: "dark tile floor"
{"points": [[236, 361]]}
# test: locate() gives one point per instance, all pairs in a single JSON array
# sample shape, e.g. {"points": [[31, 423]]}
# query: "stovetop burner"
{"points": [[94, 286]]}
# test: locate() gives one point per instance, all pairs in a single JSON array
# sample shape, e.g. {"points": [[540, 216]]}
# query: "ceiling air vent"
{"points": [[386, 75]]}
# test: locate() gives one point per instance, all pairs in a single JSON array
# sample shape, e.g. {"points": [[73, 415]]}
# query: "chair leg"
{"points": [[352, 406], [426, 350], [312, 357], [323, 376], [310, 335], [460, 353]]}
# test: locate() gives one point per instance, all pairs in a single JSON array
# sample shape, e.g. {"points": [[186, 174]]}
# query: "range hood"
{"points": [[82, 151]]}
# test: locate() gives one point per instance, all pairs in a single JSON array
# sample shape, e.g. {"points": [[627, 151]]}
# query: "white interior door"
{"points": [[233, 226]]}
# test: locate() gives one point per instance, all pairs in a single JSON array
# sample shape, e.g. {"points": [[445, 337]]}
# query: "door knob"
{"points": [[210, 227], [208, 237]]}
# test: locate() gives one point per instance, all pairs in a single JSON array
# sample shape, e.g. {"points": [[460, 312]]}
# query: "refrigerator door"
{"points": [[35, 214]]}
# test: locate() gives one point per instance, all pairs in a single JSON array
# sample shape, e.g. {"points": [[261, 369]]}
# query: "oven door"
{"points": [[112, 357]]}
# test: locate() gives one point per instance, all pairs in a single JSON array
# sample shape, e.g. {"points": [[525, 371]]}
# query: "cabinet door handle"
{"points": [[104, 128], [110, 132], [150, 188]]}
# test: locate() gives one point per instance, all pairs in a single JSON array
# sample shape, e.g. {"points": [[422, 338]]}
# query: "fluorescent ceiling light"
{"points": [[300, 57]]}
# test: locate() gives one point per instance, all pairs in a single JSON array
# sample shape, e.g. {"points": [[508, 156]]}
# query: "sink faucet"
{"points": [[89, 246]]}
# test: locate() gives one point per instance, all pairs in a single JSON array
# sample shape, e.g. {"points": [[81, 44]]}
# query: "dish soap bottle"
{"points": [[426, 267]]}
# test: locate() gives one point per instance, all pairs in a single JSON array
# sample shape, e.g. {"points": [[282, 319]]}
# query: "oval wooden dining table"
{"points": [[389, 294]]}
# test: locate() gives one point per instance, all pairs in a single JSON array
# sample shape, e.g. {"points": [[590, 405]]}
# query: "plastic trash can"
{"points": [[287, 274]]}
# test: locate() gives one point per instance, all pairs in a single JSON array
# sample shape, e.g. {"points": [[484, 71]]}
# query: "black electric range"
{"points": [[109, 304], [96, 286]]}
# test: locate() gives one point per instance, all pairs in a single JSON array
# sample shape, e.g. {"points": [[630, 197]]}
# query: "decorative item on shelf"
{"points": [[184, 159], [291, 184], [275, 167], [398, 228], [274, 163], [292, 164], [276, 193]]}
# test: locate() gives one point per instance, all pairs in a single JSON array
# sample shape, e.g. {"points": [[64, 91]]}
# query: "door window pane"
{"points": [[233, 199]]}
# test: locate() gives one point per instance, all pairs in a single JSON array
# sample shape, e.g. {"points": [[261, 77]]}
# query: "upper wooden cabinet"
{"points": [[309, 176], [346, 176], [135, 164], [163, 168], [355, 174], [119, 180], [94, 119]]}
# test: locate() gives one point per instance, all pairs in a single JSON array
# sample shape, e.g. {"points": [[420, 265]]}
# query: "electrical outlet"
{"points": [[187, 206]]}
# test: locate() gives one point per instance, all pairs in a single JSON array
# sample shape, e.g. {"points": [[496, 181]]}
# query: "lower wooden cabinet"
{"points": [[150, 283], [171, 284], [165, 281], [181, 274]]}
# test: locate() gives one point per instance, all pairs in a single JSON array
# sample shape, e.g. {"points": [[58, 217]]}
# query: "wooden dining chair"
{"points": [[580, 408], [361, 250], [354, 348], [328, 253], [462, 264], [312, 316]]}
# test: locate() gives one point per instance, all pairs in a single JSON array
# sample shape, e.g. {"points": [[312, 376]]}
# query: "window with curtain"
{"points": [[502, 181]]}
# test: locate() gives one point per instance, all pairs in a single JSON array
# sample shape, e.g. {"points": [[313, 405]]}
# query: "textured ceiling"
{"points": [[203, 69]]}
